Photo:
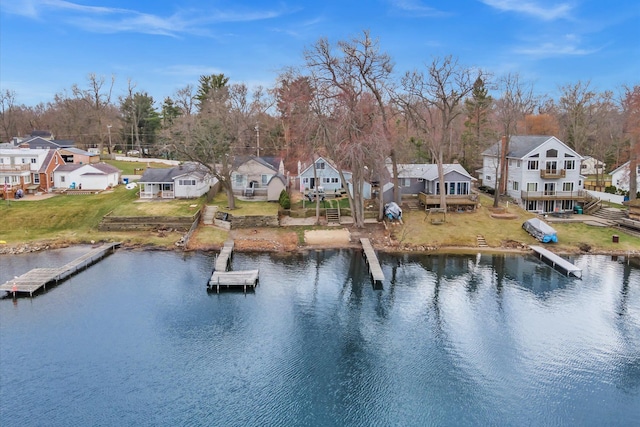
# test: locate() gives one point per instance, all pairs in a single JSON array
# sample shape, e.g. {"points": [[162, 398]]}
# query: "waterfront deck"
{"points": [[372, 260], [223, 260], [38, 278], [233, 279], [557, 262]]}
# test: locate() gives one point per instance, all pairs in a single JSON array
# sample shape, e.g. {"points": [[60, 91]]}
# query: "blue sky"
{"points": [[163, 45]]}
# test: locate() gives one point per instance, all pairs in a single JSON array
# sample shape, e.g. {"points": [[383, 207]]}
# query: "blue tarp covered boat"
{"points": [[541, 230]]}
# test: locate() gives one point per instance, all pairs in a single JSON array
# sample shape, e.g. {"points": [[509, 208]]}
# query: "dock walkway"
{"points": [[37, 278], [224, 257], [372, 260], [221, 278], [556, 261]]}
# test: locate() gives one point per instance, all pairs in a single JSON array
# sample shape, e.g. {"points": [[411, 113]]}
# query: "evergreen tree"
{"points": [[477, 130]]}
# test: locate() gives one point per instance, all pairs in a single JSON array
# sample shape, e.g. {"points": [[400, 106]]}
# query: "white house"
{"points": [[591, 166], [96, 176], [28, 169], [620, 176], [328, 178], [542, 173], [189, 180], [258, 176]]}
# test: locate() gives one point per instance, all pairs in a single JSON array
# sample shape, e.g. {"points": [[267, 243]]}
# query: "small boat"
{"points": [[540, 230]]}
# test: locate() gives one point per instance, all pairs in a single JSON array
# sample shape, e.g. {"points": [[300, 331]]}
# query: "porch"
{"points": [[156, 191], [464, 201], [579, 195]]}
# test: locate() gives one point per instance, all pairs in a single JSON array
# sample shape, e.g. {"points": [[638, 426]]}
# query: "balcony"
{"points": [[14, 168], [579, 195], [553, 173]]}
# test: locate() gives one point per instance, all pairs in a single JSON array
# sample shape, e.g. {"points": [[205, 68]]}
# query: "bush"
{"points": [[284, 200], [611, 189]]}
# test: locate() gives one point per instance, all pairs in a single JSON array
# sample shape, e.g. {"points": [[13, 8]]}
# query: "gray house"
{"points": [[259, 177], [327, 178], [189, 180], [422, 180]]}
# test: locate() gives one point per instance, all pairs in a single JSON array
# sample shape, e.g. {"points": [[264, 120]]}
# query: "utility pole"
{"points": [[109, 132], [257, 128]]}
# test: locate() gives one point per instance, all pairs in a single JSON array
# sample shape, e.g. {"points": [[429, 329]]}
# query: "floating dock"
{"points": [[223, 261], [372, 260], [557, 262], [234, 279], [38, 278], [221, 278]]}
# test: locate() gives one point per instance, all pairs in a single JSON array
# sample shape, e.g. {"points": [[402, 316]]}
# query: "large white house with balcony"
{"points": [[27, 169], [542, 173]]}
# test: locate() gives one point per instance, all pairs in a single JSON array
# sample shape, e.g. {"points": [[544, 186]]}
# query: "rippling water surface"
{"points": [[457, 340]]}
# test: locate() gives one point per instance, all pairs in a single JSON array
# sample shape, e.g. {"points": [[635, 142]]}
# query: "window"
{"points": [[551, 166], [24, 160], [36, 178], [239, 179], [532, 205], [15, 179], [487, 178], [532, 186], [532, 165], [405, 182], [567, 186], [519, 163], [462, 188], [452, 188], [334, 180], [583, 166], [516, 185], [569, 164], [305, 180], [265, 179], [320, 165], [552, 153], [325, 180], [63, 178], [33, 160], [187, 182], [27, 179]]}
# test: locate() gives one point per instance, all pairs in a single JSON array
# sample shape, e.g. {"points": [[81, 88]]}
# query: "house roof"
{"points": [[310, 165], [427, 171], [280, 177], [270, 162], [48, 158], [519, 145], [621, 167], [170, 174], [41, 142], [103, 168]]}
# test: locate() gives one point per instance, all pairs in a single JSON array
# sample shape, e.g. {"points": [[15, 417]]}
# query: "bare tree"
{"points": [[7, 112], [577, 106], [98, 98], [631, 109], [433, 101], [515, 102]]}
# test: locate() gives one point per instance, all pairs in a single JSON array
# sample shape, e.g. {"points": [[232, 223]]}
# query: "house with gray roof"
{"points": [[421, 179], [96, 176], [260, 178], [38, 142], [542, 173], [188, 180]]}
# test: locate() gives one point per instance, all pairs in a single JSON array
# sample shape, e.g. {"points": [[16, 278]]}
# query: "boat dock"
{"points": [[372, 260], [556, 261], [38, 278], [223, 260], [230, 279], [234, 279]]}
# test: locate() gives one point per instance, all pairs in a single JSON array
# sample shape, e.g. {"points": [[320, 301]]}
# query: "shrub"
{"points": [[611, 189], [284, 200]]}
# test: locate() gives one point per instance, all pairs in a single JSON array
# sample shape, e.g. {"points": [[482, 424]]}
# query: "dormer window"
{"points": [[320, 165]]}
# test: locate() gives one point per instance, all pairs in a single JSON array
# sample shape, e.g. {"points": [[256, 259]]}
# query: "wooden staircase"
{"points": [[482, 243], [333, 215]]}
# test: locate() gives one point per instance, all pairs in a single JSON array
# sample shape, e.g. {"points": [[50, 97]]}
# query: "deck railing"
{"points": [[554, 195], [14, 168], [553, 173]]}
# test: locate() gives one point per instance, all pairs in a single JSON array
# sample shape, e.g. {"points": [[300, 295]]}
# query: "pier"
{"points": [[38, 278], [221, 278], [557, 262], [223, 260], [372, 260]]}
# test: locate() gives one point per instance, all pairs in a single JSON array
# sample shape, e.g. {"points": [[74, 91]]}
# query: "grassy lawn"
{"points": [[127, 168], [461, 229], [342, 202], [245, 208], [75, 218]]}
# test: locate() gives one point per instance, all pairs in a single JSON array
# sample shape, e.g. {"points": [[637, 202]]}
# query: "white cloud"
{"points": [[567, 47], [113, 20], [189, 70], [415, 8], [546, 13]]}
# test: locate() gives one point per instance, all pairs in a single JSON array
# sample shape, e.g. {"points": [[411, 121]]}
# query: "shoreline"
{"points": [[27, 248]]}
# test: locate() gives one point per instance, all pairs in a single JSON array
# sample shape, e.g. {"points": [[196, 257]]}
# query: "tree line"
{"points": [[346, 102]]}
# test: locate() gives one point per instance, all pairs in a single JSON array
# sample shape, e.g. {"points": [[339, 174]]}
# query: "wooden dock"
{"points": [[233, 279], [230, 279], [557, 262], [38, 278], [223, 261], [372, 260]]}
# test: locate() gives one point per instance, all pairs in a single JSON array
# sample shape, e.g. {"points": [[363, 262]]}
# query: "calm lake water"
{"points": [[449, 340]]}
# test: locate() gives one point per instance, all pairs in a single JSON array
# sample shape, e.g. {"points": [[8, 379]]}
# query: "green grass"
{"points": [[127, 168], [67, 218], [245, 208], [342, 202]]}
